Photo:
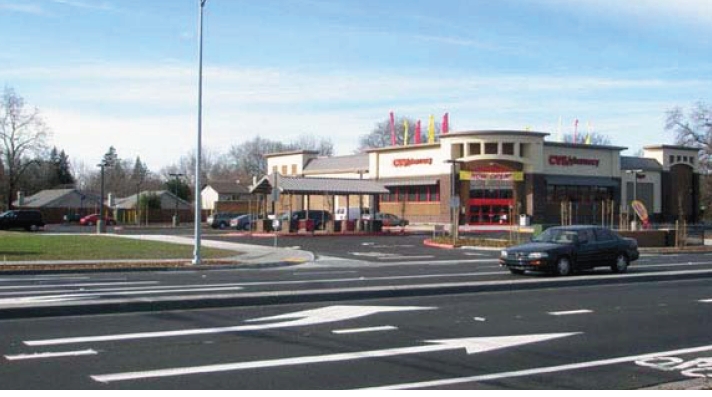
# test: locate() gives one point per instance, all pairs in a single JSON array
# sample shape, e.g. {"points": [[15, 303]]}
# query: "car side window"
{"points": [[604, 235], [587, 236]]}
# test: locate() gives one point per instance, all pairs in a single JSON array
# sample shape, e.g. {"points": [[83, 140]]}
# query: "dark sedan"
{"points": [[567, 249]]}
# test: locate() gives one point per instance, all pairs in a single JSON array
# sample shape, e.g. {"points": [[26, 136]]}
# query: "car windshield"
{"points": [[559, 236]]}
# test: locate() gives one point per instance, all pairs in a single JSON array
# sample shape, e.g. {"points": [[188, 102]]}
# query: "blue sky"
{"points": [[124, 72]]}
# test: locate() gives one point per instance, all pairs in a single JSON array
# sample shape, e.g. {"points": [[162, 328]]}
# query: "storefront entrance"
{"points": [[489, 211], [491, 196]]}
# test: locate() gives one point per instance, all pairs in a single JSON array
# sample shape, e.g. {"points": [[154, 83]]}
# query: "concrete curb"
{"points": [[179, 265], [144, 304]]}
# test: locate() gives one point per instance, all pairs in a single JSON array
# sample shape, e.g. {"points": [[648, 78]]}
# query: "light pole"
{"points": [[635, 173], [175, 211], [107, 161], [454, 202], [100, 227], [198, 159]]}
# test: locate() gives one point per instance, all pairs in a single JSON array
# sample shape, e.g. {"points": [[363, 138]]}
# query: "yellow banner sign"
{"points": [[516, 176]]}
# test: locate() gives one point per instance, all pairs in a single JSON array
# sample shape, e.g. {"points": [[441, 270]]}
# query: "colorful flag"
{"points": [[446, 124], [405, 131], [393, 130], [431, 129], [417, 132], [575, 131]]}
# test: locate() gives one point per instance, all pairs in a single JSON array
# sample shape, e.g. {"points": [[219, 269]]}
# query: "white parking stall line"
{"points": [[403, 257], [571, 312], [82, 285], [34, 356], [706, 300], [128, 290], [361, 330], [323, 273], [94, 294]]}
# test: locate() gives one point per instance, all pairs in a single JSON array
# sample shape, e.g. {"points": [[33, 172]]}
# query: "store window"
{"points": [[412, 194], [475, 149], [491, 148], [508, 148]]}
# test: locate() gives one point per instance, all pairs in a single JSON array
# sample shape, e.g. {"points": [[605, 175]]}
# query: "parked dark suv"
{"points": [[30, 220], [564, 250], [319, 217]]}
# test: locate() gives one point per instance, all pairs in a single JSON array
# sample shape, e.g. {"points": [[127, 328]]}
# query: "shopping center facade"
{"points": [[496, 176]]}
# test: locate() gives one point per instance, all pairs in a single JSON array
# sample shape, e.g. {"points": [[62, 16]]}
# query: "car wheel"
{"points": [[90, 223], [516, 271], [222, 225], [34, 228], [563, 267], [621, 264]]}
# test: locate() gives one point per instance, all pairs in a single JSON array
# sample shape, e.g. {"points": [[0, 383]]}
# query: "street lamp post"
{"points": [[198, 207], [108, 160], [454, 202], [175, 210], [100, 227]]}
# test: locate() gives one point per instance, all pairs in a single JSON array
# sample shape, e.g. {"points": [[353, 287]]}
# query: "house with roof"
{"points": [[168, 200], [225, 196], [56, 203], [126, 209]]}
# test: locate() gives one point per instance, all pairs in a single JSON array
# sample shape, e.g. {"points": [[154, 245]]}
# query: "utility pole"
{"points": [[108, 161], [175, 211]]}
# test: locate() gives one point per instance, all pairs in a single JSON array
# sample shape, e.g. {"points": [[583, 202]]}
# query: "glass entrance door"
{"points": [[489, 211], [489, 205]]}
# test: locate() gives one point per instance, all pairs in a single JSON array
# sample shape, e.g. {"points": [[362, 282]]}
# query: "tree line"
{"points": [[28, 164]]}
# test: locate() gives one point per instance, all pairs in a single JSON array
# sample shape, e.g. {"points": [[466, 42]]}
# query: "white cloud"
{"points": [[91, 5], [25, 8], [697, 12], [150, 110]]}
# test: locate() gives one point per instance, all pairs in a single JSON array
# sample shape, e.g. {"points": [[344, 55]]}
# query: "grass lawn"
{"points": [[37, 247]]}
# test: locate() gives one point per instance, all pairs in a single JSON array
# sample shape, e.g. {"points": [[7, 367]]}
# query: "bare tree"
{"points": [[380, 136], [248, 158], [592, 138], [22, 135], [693, 130]]}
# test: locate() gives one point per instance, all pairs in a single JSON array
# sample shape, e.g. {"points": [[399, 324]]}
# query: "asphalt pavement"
{"points": [[627, 336]]}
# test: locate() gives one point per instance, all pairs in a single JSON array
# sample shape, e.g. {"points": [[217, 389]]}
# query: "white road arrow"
{"points": [[471, 346], [308, 317]]}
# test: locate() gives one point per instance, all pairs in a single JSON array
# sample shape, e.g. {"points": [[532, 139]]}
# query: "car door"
{"points": [[586, 249], [607, 244]]}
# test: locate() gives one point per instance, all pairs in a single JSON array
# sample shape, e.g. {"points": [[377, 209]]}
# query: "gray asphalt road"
{"points": [[383, 262], [597, 337]]}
